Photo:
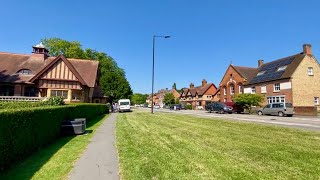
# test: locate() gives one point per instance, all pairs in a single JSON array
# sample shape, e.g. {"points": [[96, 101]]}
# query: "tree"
{"points": [[112, 78], [174, 86], [248, 100], [138, 98], [169, 99]]}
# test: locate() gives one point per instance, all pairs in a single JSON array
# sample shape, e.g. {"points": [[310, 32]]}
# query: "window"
{"points": [[61, 93], [25, 71], [76, 95], [30, 91], [232, 89], [310, 71], [263, 89], [6, 90], [240, 89], [260, 73], [316, 100], [282, 68], [275, 99], [253, 90], [225, 100], [225, 91], [276, 87]]}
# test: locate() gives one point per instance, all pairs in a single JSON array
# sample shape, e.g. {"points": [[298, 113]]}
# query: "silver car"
{"points": [[280, 109]]}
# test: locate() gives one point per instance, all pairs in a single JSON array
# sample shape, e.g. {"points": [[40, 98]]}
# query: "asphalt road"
{"points": [[301, 122]]}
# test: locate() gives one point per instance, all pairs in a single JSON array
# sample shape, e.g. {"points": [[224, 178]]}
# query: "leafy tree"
{"points": [[248, 100], [112, 78], [174, 86], [169, 99], [177, 101], [139, 98]]}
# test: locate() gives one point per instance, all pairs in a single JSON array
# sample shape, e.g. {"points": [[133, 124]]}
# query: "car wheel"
{"points": [[260, 113], [221, 111], [280, 114]]}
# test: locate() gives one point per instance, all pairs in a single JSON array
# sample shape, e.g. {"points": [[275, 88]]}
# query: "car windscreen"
{"points": [[124, 103]]}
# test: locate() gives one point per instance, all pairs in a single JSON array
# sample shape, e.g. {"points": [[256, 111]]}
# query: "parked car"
{"points": [[124, 105], [156, 106], [236, 108], [280, 109], [177, 107], [218, 107]]}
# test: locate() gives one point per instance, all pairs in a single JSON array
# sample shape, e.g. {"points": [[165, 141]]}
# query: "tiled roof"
{"points": [[270, 72], [200, 90], [246, 72], [11, 63]]}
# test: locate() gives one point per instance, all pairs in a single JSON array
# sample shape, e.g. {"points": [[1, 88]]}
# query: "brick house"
{"points": [[293, 79], [198, 96], [158, 97], [39, 75], [232, 82]]}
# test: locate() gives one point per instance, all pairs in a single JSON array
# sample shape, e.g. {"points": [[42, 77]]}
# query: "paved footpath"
{"points": [[100, 159]]}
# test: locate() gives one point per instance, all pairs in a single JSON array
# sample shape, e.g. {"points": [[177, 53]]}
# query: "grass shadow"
{"points": [[26, 168]]}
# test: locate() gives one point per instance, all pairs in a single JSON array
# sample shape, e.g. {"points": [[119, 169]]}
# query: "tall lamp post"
{"points": [[154, 41]]}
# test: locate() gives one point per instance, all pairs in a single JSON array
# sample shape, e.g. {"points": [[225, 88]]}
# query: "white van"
{"points": [[124, 105]]}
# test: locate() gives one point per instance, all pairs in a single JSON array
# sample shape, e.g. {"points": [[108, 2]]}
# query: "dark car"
{"points": [[177, 107], [218, 107], [236, 108]]}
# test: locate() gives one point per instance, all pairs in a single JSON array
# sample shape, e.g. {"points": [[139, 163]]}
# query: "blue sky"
{"points": [[206, 35]]}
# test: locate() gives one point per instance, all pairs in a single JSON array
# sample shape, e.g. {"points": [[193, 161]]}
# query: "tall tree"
{"points": [[174, 86], [139, 98], [112, 78]]}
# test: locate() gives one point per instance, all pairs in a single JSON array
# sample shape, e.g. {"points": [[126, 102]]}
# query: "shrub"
{"points": [[23, 131], [188, 106], [54, 101]]}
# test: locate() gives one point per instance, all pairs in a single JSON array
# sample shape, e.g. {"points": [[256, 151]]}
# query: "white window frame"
{"points": [[265, 89], [232, 91], [240, 89], [276, 99], [310, 71], [316, 100], [224, 91], [276, 87], [261, 73], [253, 90]]}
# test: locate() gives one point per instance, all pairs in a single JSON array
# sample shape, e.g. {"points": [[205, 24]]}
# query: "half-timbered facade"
{"points": [[39, 75]]}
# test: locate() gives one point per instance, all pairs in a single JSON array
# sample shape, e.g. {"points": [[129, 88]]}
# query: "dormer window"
{"points": [[261, 73], [281, 68], [24, 71]]}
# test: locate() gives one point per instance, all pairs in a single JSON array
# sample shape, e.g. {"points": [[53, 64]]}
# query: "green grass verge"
{"points": [[171, 146], [56, 160]]}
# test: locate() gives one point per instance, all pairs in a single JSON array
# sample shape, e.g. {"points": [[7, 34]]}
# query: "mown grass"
{"points": [[56, 160], [170, 146]]}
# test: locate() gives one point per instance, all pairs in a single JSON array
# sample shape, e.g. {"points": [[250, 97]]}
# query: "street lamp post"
{"points": [[153, 45]]}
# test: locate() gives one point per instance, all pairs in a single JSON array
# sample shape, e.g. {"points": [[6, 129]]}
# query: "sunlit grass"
{"points": [[56, 160], [171, 146]]}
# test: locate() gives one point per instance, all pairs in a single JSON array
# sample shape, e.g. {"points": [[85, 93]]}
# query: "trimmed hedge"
{"points": [[23, 131]]}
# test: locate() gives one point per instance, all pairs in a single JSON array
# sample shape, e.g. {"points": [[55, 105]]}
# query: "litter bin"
{"points": [[76, 126]]}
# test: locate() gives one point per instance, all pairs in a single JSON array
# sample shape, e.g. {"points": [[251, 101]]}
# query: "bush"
{"points": [[54, 101], [23, 131], [188, 106]]}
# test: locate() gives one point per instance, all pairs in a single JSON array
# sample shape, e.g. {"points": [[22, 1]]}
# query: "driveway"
{"points": [[304, 122]]}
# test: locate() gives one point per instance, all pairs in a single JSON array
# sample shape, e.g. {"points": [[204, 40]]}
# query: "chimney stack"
{"points": [[260, 62], [204, 82], [307, 49], [40, 52], [191, 85]]}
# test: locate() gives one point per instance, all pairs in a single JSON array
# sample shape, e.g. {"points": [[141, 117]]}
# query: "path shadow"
{"points": [[26, 168]]}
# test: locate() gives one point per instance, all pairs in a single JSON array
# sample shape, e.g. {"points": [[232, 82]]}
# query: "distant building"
{"points": [[39, 75], [198, 96]]}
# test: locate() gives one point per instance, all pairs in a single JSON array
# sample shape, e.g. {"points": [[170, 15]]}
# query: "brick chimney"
{"points": [[307, 49], [260, 62], [40, 52], [204, 82], [191, 85]]}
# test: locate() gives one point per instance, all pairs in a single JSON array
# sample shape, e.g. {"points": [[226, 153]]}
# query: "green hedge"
{"points": [[23, 131]]}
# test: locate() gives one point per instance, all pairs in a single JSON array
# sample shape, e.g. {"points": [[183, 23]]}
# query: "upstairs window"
{"points": [[232, 89], [276, 87], [24, 71], [224, 91], [282, 68], [253, 90], [240, 89], [310, 71], [316, 100], [263, 89]]}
